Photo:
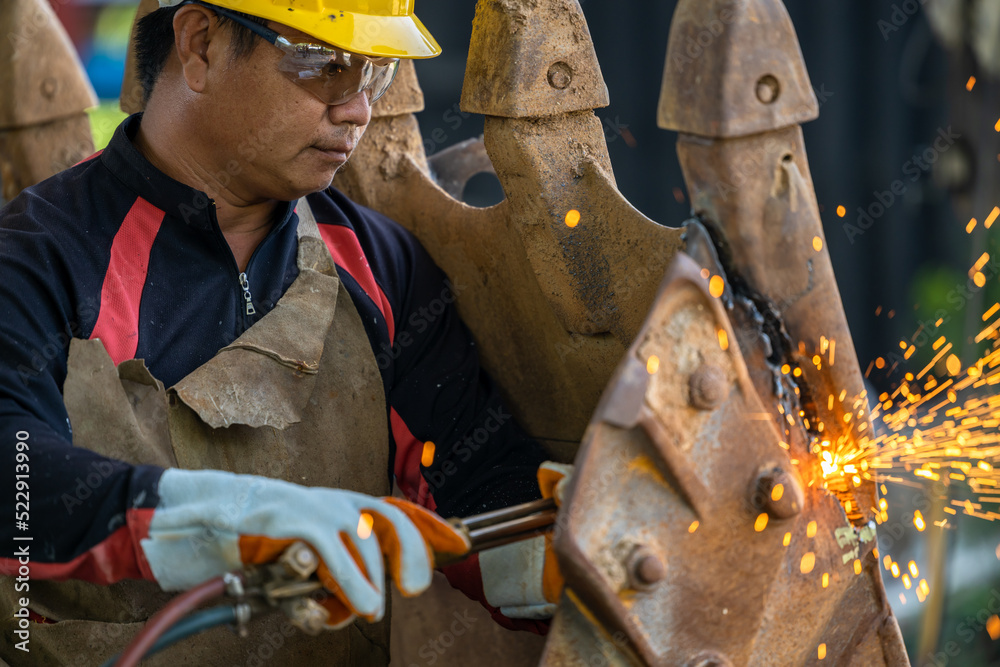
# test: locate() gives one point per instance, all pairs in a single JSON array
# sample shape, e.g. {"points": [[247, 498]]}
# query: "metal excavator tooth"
{"points": [[44, 94], [690, 535]]}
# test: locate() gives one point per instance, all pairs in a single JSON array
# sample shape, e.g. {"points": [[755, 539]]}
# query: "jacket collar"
{"points": [[174, 198]]}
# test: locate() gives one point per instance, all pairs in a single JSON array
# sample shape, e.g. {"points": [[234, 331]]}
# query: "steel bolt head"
{"points": [[49, 87], [645, 568], [304, 557], [768, 89], [784, 505], [560, 75], [709, 387], [650, 570]]}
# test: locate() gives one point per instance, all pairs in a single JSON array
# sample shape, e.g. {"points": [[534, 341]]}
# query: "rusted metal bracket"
{"points": [[690, 536]]}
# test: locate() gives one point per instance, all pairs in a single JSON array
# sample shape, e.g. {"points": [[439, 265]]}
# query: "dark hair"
{"points": [[154, 40]]}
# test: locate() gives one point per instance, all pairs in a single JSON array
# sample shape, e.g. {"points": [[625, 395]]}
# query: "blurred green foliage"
{"points": [[104, 118]]}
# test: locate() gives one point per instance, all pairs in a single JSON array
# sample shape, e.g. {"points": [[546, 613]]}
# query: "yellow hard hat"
{"points": [[382, 28]]}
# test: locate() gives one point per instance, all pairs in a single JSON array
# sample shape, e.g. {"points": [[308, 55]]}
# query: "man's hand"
{"points": [[523, 579], [209, 522]]}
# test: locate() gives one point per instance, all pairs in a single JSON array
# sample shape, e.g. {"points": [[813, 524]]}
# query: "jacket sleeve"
{"points": [[66, 512], [458, 449]]}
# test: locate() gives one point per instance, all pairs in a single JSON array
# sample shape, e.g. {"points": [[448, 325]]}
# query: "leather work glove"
{"points": [[210, 522], [523, 579]]}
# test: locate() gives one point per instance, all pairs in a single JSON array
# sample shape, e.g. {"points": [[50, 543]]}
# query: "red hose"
{"points": [[176, 609]]}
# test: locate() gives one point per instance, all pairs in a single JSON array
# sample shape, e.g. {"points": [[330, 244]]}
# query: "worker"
{"points": [[269, 356]]}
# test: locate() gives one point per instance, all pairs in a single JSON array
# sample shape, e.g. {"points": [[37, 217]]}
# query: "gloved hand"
{"points": [[209, 522], [523, 579]]}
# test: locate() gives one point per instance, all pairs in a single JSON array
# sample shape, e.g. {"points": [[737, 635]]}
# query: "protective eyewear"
{"points": [[334, 76]]}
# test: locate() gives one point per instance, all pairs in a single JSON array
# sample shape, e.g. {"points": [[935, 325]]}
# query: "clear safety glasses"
{"points": [[332, 75]]}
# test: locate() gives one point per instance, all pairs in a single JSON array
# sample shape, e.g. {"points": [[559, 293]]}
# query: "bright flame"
{"points": [[572, 218]]}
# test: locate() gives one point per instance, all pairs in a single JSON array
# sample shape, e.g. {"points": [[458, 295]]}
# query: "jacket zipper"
{"points": [[245, 284]]}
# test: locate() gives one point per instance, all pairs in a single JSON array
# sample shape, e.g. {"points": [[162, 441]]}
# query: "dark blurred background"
{"points": [[891, 77]]}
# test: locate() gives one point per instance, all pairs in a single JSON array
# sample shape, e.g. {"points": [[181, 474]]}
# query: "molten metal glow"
{"points": [[365, 524], [993, 627], [994, 214], [807, 563], [427, 456], [724, 340], [572, 218], [716, 286], [653, 365]]}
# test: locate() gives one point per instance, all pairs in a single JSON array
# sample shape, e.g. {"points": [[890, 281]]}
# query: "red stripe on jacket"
{"points": [[118, 321], [409, 451], [117, 557], [346, 250], [89, 158]]}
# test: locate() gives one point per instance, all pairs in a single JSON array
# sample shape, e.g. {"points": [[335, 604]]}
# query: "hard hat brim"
{"points": [[382, 36], [367, 34]]}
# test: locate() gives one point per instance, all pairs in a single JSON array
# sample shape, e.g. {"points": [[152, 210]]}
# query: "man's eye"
{"points": [[332, 69]]}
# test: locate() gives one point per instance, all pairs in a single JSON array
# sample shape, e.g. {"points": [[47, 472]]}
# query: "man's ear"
{"points": [[194, 29]]}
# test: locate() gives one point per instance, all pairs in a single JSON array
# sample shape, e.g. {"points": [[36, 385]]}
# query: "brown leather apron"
{"points": [[297, 397]]}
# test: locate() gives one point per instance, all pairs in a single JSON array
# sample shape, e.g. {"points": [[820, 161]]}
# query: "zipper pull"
{"points": [[245, 284]]}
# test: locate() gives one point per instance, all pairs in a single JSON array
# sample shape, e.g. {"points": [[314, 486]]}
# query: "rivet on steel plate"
{"points": [[560, 75], [768, 89], [49, 87], [645, 568], [779, 494], [709, 387]]}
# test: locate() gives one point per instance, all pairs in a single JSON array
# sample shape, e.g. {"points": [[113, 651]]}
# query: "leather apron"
{"points": [[297, 397]]}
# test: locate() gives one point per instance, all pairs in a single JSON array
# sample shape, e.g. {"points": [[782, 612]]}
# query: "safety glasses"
{"points": [[332, 75]]}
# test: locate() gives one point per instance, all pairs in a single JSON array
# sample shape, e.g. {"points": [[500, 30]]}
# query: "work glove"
{"points": [[209, 522], [523, 579]]}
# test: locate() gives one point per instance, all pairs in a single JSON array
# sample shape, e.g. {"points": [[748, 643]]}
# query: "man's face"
{"points": [[276, 140]]}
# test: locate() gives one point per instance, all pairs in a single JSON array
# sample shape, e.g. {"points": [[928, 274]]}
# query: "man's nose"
{"points": [[358, 111]]}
